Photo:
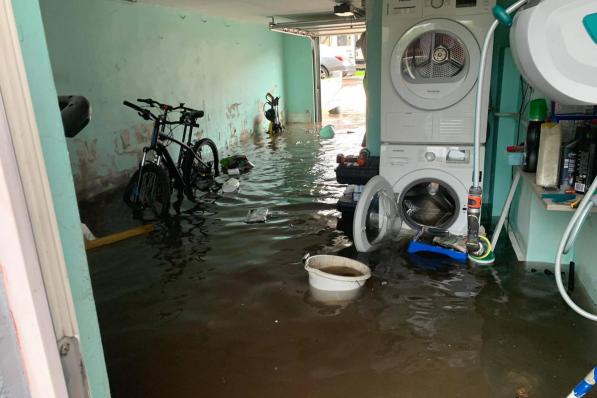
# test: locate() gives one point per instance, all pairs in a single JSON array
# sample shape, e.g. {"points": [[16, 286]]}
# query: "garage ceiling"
{"points": [[252, 9]]}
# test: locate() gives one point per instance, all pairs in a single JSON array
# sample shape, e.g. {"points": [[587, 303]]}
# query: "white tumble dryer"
{"points": [[430, 64]]}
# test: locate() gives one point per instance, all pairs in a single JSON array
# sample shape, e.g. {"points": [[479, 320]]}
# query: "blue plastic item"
{"points": [[419, 247], [559, 197], [585, 385], [590, 22]]}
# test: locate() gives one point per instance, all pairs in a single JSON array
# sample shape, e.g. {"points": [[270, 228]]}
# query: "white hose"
{"points": [[480, 80], [577, 227], [575, 223], [505, 211]]}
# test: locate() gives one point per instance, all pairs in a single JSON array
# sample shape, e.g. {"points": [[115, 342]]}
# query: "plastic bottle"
{"points": [[569, 158], [586, 161]]}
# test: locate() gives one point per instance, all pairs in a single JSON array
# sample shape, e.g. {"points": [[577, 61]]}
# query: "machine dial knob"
{"points": [[430, 156], [437, 3]]}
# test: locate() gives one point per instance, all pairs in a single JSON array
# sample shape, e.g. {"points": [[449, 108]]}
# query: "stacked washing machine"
{"points": [[430, 63]]}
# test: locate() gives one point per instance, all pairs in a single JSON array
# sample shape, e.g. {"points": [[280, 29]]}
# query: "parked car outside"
{"points": [[332, 60]]}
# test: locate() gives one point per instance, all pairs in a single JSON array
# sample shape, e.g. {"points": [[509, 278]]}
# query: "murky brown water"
{"points": [[208, 306], [342, 271]]}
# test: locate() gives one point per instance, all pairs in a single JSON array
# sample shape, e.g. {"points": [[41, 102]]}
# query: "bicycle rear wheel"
{"points": [[198, 176], [150, 192]]}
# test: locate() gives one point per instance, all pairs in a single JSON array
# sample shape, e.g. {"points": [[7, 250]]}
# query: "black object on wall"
{"points": [[76, 113]]}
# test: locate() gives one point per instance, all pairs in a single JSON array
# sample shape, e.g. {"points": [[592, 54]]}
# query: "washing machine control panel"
{"points": [[419, 8], [447, 155]]}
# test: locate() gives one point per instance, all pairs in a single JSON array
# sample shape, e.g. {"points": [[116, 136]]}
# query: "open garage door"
{"points": [[315, 27]]}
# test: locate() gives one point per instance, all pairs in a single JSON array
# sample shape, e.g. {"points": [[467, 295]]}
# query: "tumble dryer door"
{"points": [[376, 215], [435, 64]]}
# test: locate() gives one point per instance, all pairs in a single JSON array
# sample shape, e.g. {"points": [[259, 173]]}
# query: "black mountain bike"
{"points": [[151, 186]]}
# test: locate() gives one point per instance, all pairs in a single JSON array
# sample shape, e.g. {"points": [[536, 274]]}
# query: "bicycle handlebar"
{"points": [[144, 113], [188, 116]]}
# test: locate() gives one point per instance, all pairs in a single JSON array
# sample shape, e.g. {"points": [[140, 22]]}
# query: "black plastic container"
{"points": [[358, 175], [531, 147]]}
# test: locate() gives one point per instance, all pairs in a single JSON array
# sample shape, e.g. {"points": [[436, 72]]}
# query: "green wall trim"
{"points": [[374, 13], [298, 78], [45, 104]]}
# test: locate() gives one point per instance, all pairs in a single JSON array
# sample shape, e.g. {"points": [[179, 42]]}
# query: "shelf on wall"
{"points": [[548, 203]]}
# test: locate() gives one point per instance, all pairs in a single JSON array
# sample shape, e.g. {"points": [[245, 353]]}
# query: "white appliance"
{"points": [[430, 190], [554, 44], [430, 64]]}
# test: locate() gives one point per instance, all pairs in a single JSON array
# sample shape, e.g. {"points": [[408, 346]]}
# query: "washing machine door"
{"points": [[435, 64], [431, 198], [376, 216]]}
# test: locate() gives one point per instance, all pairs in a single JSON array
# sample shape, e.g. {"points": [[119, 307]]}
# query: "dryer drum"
{"points": [[430, 203], [434, 55]]}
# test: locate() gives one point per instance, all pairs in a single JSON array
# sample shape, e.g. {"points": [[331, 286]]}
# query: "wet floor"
{"points": [[208, 306]]}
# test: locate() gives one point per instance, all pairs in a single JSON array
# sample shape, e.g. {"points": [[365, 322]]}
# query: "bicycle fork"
{"points": [[137, 188]]}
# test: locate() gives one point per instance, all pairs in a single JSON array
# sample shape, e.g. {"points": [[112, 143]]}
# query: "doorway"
{"points": [[342, 77]]}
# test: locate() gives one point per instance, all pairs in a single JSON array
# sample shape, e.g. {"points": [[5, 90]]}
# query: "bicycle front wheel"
{"points": [[199, 173], [149, 190]]}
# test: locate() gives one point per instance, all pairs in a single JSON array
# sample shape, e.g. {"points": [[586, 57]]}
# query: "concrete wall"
{"points": [[109, 51], [298, 79], [43, 93]]}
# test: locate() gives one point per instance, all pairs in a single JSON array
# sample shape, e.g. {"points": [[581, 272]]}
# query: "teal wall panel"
{"points": [[374, 12], [537, 230], [298, 79], [586, 258], [43, 93], [503, 128], [109, 51]]}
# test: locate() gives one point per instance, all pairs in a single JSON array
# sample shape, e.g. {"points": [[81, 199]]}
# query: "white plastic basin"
{"points": [[335, 273]]}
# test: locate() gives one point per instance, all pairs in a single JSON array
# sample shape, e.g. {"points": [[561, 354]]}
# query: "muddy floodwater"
{"points": [[209, 306]]}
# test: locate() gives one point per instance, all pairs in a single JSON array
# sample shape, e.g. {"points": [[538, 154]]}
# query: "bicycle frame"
{"points": [[162, 152], [177, 171]]}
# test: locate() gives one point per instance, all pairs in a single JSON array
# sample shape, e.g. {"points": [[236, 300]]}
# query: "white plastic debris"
{"points": [[231, 186], [87, 234], [257, 215]]}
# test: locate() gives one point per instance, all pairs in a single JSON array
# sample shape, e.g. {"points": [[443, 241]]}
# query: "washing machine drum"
{"points": [[429, 203], [435, 64]]}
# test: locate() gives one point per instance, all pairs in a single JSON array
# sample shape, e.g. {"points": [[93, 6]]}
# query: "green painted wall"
{"points": [[374, 12], [298, 79], [503, 127], [109, 51], [43, 92], [538, 232], [585, 258]]}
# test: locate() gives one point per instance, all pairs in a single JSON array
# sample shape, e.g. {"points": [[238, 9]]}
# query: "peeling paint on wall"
{"points": [[124, 52]]}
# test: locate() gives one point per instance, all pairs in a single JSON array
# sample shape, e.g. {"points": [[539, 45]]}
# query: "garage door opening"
{"points": [[342, 78], [339, 66]]}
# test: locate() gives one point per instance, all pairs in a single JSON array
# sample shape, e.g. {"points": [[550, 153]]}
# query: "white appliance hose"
{"points": [[480, 86], [579, 217]]}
